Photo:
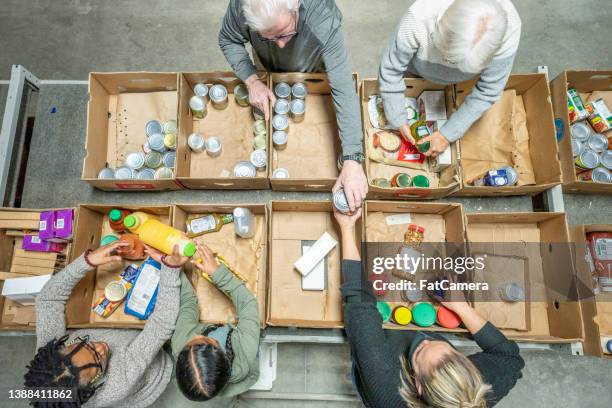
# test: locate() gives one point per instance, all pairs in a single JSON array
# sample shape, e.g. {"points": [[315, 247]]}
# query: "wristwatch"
{"points": [[358, 157]]}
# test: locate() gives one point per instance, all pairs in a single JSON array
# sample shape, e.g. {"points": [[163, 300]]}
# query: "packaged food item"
{"points": [[424, 314], [244, 222], [599, 115], [340, 202], [597, 142], [575, 106], [134, 250], [432, 106], [442, 161], [46, 225], [596, 175], [411, 249], [512, 292], [586, 160], [385, 311], [108, 239], [381, 182], [213, 146], [196, 142], [299, 90], [581, 131], [62, 229], [204, 224], [141, 298], [116, 217], [421, 181], [241, 94], [280, 173], [218, 96], [505, 176], [387, 141], [401, 315], [401, 180], [606, 159], [113, 294], [160, 236], [600, 250], [34, 243], [447, 318], [419, 130]]}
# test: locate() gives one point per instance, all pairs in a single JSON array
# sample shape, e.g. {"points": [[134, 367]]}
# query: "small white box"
{"points": [[317, 278], [432, 106], [310, 259], [24, 290]]}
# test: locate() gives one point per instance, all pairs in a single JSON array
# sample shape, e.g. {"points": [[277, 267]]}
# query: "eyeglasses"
{"points": [[83, 341], [283, 36]]}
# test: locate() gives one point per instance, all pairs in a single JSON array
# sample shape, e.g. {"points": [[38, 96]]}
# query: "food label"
{"points": [[36, 240], [603, 249], [59, 224], [204, 224], [399, 219], [144, 289], [409, 153], [42, 225]]}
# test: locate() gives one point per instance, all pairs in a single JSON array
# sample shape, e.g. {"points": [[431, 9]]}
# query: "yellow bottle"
{"points": [[158, 235]]}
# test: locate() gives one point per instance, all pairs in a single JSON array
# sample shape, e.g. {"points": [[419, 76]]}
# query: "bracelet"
{"points": [[86, 257], [163, 259]]}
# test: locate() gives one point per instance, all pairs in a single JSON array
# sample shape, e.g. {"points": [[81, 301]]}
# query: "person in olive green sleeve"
{"points": [[216, 360]]}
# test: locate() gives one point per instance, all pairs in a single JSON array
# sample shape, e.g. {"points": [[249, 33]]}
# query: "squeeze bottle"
{"points": [[116, 217], [159, 235]]}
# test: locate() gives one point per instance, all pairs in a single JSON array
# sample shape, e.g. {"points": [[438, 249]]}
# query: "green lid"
{"points": [[114, 215], [189, 250], [423, 147], [424, 314], [107, 239], [385, 310], [130, 221], [403, 180], [420, 181]]}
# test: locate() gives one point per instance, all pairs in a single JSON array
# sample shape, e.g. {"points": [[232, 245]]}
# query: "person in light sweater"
{"points": [[446, 42]]}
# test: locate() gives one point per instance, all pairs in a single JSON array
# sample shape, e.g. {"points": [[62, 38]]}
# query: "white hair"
{"points": [[262, 14], [470, 32]]}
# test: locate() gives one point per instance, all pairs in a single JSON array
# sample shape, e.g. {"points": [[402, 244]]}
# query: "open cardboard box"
{"points": [[585, 82], [248, 256], [596, 308], [91, 225], [120, 104], [552, 319], [291, 222], [443, 183], [232, 125], [525, 111], [443, 223], [311, 155], [17, 263]]}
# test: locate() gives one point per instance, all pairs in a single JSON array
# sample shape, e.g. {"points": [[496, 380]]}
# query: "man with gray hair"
{"points": [[299, 36], [449, 41]]}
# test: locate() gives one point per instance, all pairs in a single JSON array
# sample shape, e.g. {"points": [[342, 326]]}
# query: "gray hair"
{"points": [[470, 32], [260, 15]]}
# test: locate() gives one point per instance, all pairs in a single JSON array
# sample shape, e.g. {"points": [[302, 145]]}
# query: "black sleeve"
{"points": [[500, 362]]}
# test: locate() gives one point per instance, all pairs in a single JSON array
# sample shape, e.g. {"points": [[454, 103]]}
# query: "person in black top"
{"points": [[417, 369]]}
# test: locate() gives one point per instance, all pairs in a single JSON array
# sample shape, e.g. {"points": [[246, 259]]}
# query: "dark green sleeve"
{"points": [[188, 316]]}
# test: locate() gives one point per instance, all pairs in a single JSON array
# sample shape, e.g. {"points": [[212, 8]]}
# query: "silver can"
{"points": [[164, 173], [106, 174], [146, 174], [152, 127], [280, 139], [597, 142], [282, 90], [280, 173], [170, 127], [153, 160], [587, 160], [511, 174], [244, 222], [218, 96], [298, 109], [146, 148], [280, 122], [512, 292], [281, 107], [259, 127], [581, 131], [340, 202], [245, 169], [196, 142], [124, 173], [197, 104], [299, 90], [577, 147], [259, 141], [606, 159], [169, 159], [241, 94], [156, 142], [213, 146], [135, 160], [201, 90], [170, 141], [259, 158], [601, 175]]}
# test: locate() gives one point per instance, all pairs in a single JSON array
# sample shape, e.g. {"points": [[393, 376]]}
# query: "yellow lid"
{"points": [[402, 315]]}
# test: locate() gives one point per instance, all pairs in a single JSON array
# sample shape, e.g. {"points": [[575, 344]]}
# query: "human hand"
{"points": [[104, 254], [406, 134], [353, 180], [437, 144], [453, 299], [259, 95], [346, 221], [175, 260], [205, 260]]}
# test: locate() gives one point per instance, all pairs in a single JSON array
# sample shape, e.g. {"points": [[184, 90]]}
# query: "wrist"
{"points": [[251, 80], [86, 257], [169, 262]]}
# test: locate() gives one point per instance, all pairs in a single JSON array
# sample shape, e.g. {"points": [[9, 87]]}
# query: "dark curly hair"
{"points": [[52, 367]]}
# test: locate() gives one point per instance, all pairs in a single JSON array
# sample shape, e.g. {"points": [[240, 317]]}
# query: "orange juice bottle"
{"points": [[158, 235]]}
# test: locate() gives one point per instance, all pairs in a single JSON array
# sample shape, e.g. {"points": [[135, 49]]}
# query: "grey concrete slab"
{"points": [[3, 94], [15, 353], [588, 209]]}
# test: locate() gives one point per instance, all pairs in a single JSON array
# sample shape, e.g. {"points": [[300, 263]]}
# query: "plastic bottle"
{"points": [[244, 222], [159, 235], [135, 249], [116, 217]]}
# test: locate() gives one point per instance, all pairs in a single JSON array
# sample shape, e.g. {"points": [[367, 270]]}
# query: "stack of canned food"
{"points": [[592, 156], [155, 161]]}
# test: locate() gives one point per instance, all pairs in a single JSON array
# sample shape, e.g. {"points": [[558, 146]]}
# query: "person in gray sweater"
{"points": [[104, 367], [446, 42], [299, 36]]}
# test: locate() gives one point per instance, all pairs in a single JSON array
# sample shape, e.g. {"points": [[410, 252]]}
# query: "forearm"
{"points": [[350, 251]]}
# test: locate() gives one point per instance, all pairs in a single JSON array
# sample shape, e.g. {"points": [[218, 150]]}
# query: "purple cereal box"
{"points": [[46, 225], [34, 243], [63, 225]]}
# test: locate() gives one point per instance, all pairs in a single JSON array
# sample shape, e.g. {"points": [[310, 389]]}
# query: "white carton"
{"points": [[24, 290]]}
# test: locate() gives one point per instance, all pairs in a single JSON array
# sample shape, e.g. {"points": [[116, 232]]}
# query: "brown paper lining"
{"points": [[604, 313], [377, 229], [593, 96]]}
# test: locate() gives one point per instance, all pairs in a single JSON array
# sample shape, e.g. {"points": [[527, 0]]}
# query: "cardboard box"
{"points": [[518, 129], [232, 125], [292, 222], [248, 256], [586, 83], [442, 185], [311, 155], [91, 225], [596, 308], [120, 105], [554, 318], [443, 223]]}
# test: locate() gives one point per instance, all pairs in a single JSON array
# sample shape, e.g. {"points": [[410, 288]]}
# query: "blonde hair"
{"points": [[454, 382]]}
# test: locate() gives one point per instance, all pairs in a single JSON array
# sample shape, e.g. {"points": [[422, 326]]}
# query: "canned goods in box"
{"points": [[197, 104], [170, 141], [125, 173], [281, 107], [575, 105], [153, 160], [340, 201], [420, 181], [280, 122], [115, 291], [259, 158], [201, 89], [196, 142], [512, 292], [587, 160], [401, 180], [156, 142], [135, 160], [259, 127], [577, 147], [244, 169], [169, 159], [152, 127], [170, 127], [106, 174], [299, 90], [146, 174], [596, 175], [257, 113], [259, 141], [241, 94], [279, 139], [606, 159], [599, 115], [511, 175], [146, 148], [298, 109], [280, 173], [164, 173], [218, 96], [282, 90], [581, 131], [597, 142], [381, 182], [213, 146]]}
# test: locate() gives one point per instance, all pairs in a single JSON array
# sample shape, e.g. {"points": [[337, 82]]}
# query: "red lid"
{"points": [[447, 318], [416, 227]]}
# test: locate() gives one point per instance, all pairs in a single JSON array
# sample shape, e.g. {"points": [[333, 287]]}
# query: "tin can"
{"points": [[169, 159], [135, 160], [259, 127], [280, 122], [146, 148], [511, 292], [420, 181], [575, 105], [241, 94], [124, 173], [280, 173], [298, 110], [170, 127], [213, 146], [577, 147], [340, 202], [115, 291], [196, 142], [606, 159], [281, 107], [596, 175], [257, 113], [259, 158], [597, 142], [599, 115], [401, 180], [511, 174], [152, 127], [106, 174], [280, 139], [299, 90], [146, 174], [401, 315], [496, 178], [153, 160], [381, 182], [580, 131], [170, 141], [218, 96], [244, 222], [156, 142], [164, 173], [587, 160], [245, 169], [201, 90], [259, 141], [197, 104], [412, 295], [282, 90]]}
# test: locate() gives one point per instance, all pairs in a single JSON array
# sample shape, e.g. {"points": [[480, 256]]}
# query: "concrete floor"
{"points": [[159, 35]]}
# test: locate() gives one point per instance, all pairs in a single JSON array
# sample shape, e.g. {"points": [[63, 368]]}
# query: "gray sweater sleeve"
{"points": [[232, 38], [485, 93]]}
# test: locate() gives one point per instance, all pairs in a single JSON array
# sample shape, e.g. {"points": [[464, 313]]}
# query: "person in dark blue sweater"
{"points": [[394, 368]]}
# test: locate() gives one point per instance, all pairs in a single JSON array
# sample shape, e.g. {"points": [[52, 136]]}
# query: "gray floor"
{"points": [[166, 36]]}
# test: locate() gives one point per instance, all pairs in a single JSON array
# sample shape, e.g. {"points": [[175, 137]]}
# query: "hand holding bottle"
{"points": [[205, 260]]}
